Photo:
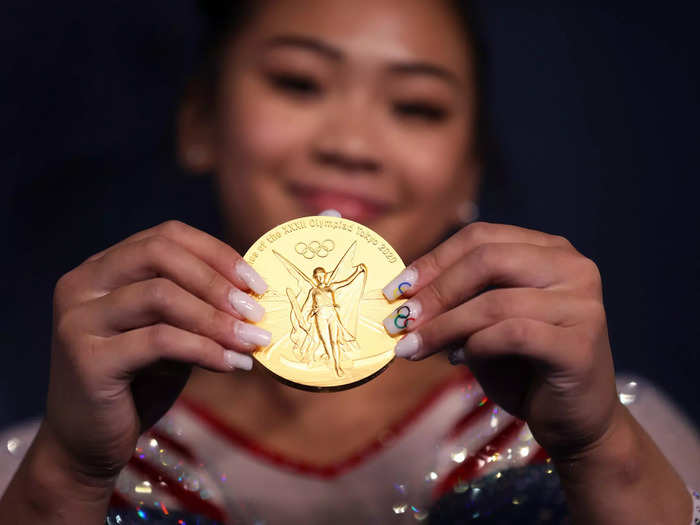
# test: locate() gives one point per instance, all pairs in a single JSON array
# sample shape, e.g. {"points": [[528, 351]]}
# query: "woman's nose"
{"points": [[347, 142]]}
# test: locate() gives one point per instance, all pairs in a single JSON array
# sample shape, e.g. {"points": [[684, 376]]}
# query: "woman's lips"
{"points": [[354, 207]]}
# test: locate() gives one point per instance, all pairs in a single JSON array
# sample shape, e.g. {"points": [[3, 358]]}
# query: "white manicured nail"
{"points": [[457, 356], [401, 318], [245, 305], [251, 277], [236, 360], [251, 334], [408, 346], [331, 213], [401, 283]]}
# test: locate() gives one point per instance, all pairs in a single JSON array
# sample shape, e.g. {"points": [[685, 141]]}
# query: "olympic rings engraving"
{"points": [[314, 248]]}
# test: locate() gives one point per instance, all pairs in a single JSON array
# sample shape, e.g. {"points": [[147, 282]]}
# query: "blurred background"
{"points": [[595, 110]]}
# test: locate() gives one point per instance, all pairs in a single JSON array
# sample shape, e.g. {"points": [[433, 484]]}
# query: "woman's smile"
{"points": [[352, 204]]}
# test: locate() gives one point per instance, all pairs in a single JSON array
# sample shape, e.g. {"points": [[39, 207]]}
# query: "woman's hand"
{"points": [[129, 323], [525, 311]]}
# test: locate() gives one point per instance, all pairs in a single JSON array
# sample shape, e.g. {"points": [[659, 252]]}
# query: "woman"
{"points": [[304, 106]]}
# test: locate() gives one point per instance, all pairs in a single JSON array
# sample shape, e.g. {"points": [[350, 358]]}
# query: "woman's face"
{"points": [[362, 106]]}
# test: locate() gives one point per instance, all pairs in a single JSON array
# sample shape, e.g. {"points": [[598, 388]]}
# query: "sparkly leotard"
{"points": [[193, 461]]}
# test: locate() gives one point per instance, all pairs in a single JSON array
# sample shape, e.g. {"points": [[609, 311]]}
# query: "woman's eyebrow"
{"points": [[305, 42], [402, 68], [426, 68]]}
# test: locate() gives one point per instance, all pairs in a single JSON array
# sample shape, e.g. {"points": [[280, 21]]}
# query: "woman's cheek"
{"points": [[270, 131], [432, 169], [265, 141], [431, 165]]}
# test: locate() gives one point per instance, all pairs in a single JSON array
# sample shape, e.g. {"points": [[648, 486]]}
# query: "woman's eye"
{"points": [[295, 84], [421, 110]]}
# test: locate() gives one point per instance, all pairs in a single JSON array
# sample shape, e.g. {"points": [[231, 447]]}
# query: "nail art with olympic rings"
{"points": [[402, 317], [400, 284]]}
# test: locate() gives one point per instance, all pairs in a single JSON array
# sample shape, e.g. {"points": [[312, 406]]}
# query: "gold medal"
{"points": [[324, 305]]}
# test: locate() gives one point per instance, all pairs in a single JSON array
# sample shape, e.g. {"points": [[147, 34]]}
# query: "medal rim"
{"points": [[321, 389]]}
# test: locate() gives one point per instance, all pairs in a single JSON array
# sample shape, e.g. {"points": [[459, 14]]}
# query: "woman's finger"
{"points": [[508, 265], [162, 301], [517, 336], [422, 271], [493, 307], [131, 351], [158, 256], [211, 250]]}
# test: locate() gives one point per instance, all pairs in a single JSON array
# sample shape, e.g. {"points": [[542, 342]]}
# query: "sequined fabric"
{"points": [[527, 496], [187, 462], [133, 517]]}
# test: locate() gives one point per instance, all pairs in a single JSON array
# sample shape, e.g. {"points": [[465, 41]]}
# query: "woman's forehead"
{"points": [[370, 30]]}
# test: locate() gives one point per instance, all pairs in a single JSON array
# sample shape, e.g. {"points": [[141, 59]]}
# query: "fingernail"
{"points": [[236, 360], [249, 333], [407, 346], [245, 305], [400, 283], [457, 356], [251, 277], [400, 319], [330, 213]]}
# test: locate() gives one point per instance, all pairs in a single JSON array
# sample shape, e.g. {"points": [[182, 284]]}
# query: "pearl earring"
{"points": [[467, 211]]}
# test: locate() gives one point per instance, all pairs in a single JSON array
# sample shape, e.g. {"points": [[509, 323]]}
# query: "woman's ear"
{"points": [[195, 136]]}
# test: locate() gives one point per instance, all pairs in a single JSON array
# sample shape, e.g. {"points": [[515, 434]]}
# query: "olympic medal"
{"points": [[324, 305]]}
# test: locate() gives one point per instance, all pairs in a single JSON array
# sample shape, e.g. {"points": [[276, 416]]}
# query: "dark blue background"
{"points": [[595, 109]]}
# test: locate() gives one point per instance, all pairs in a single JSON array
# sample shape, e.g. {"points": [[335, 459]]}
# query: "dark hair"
{"points": [[222, 20], [225, 18]]}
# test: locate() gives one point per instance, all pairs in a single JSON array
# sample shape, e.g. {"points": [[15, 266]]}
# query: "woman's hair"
{"points": [[225, 18]]}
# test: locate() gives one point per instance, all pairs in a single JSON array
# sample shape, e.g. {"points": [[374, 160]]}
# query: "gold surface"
{"points": [[324, 305]]}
